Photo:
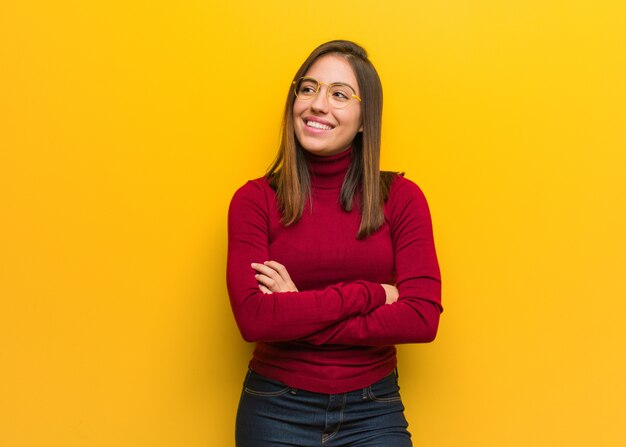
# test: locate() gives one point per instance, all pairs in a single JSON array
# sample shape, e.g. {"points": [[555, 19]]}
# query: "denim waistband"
{"points": [[393, 374]]}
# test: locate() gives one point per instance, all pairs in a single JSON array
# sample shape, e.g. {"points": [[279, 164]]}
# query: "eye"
{"points": [[307, 87], [341, 93]]}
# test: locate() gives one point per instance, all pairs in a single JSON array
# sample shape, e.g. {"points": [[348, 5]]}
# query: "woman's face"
{"points": [[320, 128]]}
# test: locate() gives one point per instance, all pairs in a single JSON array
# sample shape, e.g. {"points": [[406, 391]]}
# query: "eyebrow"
{"points": [[332, 83], [343, 83]]}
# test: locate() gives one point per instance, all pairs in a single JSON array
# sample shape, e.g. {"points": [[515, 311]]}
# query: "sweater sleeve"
{"points": [[288, 315], [414, 318]]}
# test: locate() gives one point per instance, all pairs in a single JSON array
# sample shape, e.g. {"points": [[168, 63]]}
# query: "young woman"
{"points": [[330, 263]]}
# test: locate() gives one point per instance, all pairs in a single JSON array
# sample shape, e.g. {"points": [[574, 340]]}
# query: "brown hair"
{"points": [[364, 183]]}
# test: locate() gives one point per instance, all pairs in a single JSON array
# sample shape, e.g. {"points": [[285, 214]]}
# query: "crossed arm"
{"points": [[273, 277], [269, 307]]}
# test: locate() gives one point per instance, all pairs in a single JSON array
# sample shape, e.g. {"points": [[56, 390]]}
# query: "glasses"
{"points": [[339, 95]]}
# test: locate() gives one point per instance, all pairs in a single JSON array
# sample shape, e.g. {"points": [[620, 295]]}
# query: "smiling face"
{"points": [[320, 128]]}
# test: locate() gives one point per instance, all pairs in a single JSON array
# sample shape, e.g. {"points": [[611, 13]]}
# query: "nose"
{"points": [[319, 102]]}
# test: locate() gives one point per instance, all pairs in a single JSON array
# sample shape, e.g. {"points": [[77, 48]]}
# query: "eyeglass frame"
{"points": [[319, 87]]}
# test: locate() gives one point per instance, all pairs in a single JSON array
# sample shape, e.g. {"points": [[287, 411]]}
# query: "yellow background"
{"points": [[125, 127]]}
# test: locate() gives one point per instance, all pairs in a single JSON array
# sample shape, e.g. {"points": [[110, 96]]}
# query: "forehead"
{"points": [[332, 68]]}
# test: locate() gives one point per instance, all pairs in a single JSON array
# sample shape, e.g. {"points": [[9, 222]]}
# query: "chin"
{"points": [[314, 148], [321, 151]]}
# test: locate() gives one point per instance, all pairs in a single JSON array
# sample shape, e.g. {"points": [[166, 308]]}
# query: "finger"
{"points": [[264, 289], [286, 283], [266, 270], [279, 268], [268, 282], [279, 283]]}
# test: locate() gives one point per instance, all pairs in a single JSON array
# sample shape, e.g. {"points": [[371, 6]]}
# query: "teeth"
{"points": [[318, 125]]}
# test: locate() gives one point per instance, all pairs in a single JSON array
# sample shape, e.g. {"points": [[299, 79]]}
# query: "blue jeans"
{"points": [[273, 414]]}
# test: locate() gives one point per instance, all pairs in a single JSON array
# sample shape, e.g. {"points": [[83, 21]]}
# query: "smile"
{"points": [[317, 125]]}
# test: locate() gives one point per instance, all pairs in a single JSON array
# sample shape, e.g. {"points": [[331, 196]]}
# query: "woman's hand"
{"points": [[273, 277], [391, 293]]}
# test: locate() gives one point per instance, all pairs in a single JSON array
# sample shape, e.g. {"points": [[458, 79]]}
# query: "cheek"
{"points": [[359, 120], [296, 119], [354, 119], [297, 109]]}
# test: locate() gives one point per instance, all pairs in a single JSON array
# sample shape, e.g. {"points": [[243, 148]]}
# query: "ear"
{"points": [[360, 128]]}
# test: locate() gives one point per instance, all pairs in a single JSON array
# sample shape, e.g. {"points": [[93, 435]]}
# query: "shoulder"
{"points": [[254, 194], [253, 189], [402, 189], [405, 196]]}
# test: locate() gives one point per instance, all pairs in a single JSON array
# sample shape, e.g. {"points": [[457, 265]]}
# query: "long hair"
{"points": [[364, 184]]}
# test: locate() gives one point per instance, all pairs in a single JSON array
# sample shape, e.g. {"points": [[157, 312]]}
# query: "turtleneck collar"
{"points": [[328, 172]]}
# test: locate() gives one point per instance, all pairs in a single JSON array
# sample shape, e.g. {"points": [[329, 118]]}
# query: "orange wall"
{"points": [[125, 128]]}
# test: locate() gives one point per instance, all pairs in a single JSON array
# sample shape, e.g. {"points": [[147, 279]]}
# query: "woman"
{"points": [[330, 263]]}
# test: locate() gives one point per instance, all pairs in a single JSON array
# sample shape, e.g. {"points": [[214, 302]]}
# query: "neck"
{"points": [[328, 172]]}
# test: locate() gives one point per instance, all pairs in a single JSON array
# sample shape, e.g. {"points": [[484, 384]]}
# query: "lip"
{"points": [[317, 120]]}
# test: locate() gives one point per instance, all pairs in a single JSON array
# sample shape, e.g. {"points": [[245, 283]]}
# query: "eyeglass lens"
{"points": [[339, 95]]}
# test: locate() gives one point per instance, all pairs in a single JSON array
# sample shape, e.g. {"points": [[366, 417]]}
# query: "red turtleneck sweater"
{"points": [[336, 334]]}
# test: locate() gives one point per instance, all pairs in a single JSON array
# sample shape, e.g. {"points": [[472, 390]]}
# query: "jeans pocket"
{"points": [[385, 390], [258, 385]]}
